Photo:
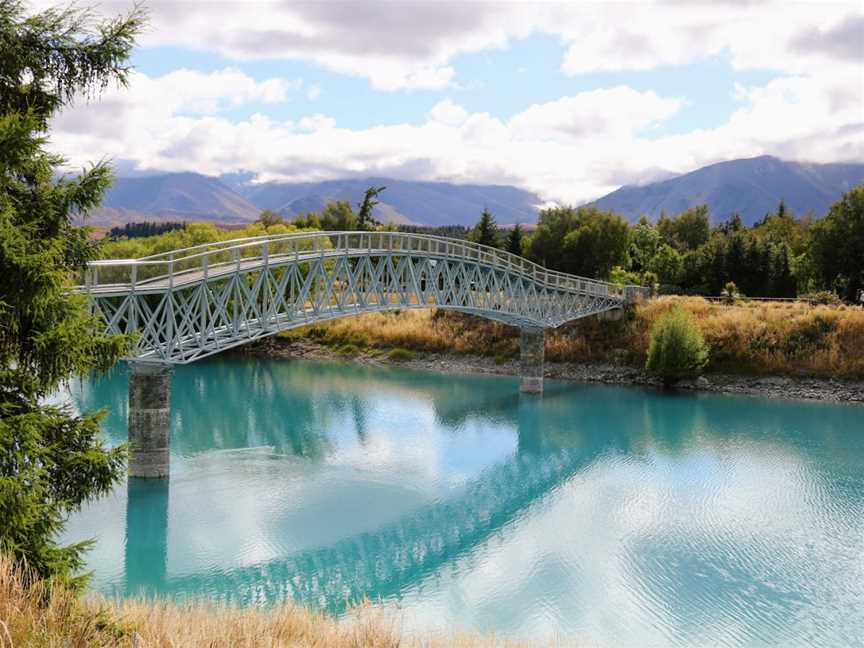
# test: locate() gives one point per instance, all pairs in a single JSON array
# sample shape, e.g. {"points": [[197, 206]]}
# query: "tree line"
{"points": [[779, 256], [143, 229]]}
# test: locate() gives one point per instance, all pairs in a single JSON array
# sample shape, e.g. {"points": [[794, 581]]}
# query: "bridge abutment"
{"points": [[531, 354], [149, 419]]}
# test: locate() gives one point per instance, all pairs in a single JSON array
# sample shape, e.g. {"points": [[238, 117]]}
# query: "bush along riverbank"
{"points": [[776, 349]]}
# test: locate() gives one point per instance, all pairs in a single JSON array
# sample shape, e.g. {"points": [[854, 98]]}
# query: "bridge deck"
{"points": [[187, 304]]}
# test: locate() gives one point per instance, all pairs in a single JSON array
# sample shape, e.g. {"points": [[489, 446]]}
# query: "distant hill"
{"points": [[404, 202], [173, 197], [751, 187], [233, 199]]}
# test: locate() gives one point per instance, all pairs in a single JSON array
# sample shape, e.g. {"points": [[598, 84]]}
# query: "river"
{"points": [[610, 516]]}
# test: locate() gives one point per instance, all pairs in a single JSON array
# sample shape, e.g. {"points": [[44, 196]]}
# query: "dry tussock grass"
{"points": [[760, 337], [749, 337], [34, 615]]}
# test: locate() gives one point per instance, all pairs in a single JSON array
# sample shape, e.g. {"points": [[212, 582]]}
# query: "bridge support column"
{"points": [[531, 360], [149, 419]]}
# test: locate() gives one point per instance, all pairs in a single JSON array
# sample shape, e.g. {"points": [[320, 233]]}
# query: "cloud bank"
{"points": [[574, 148]]}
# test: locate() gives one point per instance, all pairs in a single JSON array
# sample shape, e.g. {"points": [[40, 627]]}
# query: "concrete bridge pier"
{"points": [[531, 360], [149, 419]]}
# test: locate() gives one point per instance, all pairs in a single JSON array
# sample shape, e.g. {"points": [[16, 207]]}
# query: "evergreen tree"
{"points": [[269, 218], [51, 460], [514, 240], [784, 283], [486, 230], [364, 218], [837, 247]]}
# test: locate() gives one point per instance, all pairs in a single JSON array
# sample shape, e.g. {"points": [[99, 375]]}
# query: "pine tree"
{"points": [[364, 218], [51, 460], [514, 240], [486, 230]]}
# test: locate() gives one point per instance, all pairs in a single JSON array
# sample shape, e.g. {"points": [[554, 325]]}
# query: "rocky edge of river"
{"points": [[809, 388]]}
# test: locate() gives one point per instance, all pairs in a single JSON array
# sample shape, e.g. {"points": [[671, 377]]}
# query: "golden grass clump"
{"points": [[32, 614], [745, 337], [769, 337]]}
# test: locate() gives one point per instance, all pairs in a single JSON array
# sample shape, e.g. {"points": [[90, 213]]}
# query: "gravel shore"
{"points": [[808, 388]]}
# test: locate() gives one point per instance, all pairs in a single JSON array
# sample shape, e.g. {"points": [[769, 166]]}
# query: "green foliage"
{"points": [[783, 227], [597, 245], [485, 232], [730, 293], [547, 243], [585, 241], [514, 242], [51, 461], [401, 355], [140, 230], [823, 297], [667, 264], [364, 219], [269, 218], [837, 247], [677, 349], [644, 242], [686, 231], [448, 231], [619, 275], [349, 350], [192, 234]]}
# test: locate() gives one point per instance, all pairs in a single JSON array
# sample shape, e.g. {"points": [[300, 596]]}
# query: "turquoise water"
{"points": [[608, 516]]}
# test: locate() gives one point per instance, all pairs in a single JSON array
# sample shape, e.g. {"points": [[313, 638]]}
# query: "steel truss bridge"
{"points": [[187, 304]]}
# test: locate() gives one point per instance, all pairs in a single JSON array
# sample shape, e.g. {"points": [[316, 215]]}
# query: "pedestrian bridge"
{"points": [[187, 304]]}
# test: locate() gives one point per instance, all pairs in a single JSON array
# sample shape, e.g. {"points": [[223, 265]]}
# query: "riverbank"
{"points": [[42, 616], [776, 350], [828, 390]]}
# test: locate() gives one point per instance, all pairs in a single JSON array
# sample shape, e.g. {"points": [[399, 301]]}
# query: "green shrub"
{"points": [[349, 350], [677, 349], [825, 297], [730, 293], [401, 355]]}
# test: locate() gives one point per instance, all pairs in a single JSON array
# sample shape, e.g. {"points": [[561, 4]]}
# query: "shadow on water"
{"points": [[294, 407]]}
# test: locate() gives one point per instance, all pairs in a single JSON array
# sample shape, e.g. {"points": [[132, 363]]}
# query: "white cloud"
{"points": [[610, 113], [448, 113], [398, 45], [573, 149]]}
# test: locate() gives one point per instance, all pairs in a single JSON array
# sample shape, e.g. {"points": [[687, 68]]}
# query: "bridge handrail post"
{"points": [[171, 271], [134, 276]]}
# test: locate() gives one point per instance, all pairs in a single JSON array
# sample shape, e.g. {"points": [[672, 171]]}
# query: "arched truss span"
{"points": [[188, 304]]}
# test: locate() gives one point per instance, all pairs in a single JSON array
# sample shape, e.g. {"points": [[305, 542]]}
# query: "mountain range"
{"points": [[751, 187]]}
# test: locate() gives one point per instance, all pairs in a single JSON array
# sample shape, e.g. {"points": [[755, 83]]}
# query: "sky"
{"points": [[569, 100]]}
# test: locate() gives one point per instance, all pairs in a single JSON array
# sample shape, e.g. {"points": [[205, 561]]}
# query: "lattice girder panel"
{"points": [[181, 323]]}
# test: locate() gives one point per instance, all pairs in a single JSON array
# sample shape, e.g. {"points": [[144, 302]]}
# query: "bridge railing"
{"points": [[221, 258]]}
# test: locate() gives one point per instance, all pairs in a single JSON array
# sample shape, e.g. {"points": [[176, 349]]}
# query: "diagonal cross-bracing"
{"points": [[188, 304]]}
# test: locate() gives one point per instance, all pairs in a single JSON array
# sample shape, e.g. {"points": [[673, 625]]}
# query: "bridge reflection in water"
{"points": [[314, 418]]}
